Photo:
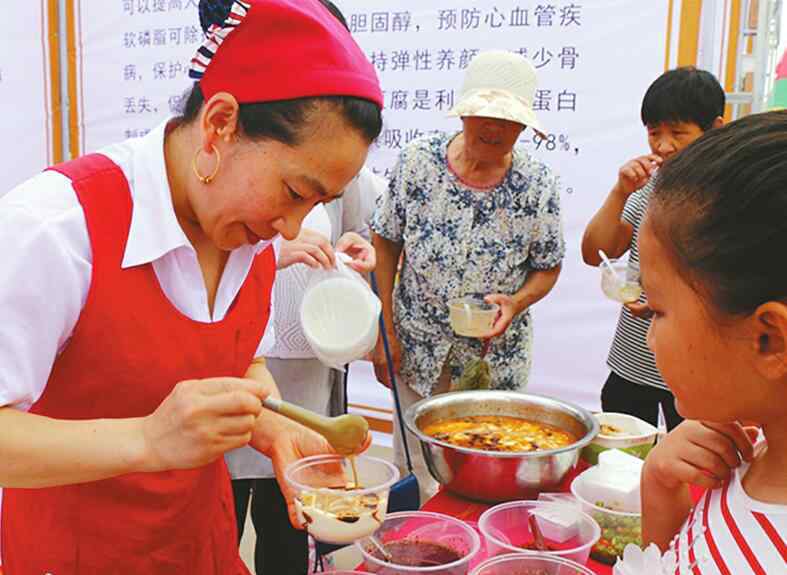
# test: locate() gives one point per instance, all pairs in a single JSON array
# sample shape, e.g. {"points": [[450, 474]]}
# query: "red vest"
{"points": [[129, 348]]}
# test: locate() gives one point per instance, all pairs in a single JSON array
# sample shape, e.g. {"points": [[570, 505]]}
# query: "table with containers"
{"points": [[531, 485], [566, 511]]}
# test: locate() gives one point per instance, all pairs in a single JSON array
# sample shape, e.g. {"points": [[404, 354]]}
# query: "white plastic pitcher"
{"points": [[339, 315]]}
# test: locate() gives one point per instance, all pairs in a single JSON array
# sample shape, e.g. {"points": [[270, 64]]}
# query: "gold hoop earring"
{"points": [[206, 179]]}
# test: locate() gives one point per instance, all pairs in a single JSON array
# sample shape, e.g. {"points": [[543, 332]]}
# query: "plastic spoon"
{"points": [[468, 313], [387, 557], [608, 263], [661, 425], [345, 433]]}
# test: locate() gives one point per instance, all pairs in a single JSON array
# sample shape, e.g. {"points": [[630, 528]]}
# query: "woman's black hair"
{"points": [[213, 12], [284, 121], [720, 207], [684, 94]]}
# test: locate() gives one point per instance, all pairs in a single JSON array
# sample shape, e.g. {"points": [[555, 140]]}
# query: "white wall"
{"points": [[24, 94]]}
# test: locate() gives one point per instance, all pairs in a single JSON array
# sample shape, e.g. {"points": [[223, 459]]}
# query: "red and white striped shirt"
{"points": [[729, 533]]}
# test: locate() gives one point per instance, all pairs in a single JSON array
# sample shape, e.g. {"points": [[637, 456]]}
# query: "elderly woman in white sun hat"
{"points": [[473, 214]]}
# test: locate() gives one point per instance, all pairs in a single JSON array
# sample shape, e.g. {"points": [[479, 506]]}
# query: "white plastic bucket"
{"points": [[339, 316]]}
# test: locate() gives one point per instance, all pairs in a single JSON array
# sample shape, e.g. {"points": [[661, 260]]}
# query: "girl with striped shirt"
{"points": [[711, 251]]}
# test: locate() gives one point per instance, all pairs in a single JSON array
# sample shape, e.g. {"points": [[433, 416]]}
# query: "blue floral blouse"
{"points": [[459, 241]]}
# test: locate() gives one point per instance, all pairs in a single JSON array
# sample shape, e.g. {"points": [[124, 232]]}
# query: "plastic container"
{"points": [[471, 316], [422, 542], [623, 286], [618, 488], [618, 528], [566, 529], [526, 564], [339, 315], [634, 436], [326, 503]]}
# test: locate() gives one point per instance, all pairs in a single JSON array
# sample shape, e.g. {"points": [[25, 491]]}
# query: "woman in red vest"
{"points": [[135, 291]]}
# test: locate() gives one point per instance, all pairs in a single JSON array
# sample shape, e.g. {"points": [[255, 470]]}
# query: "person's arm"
{"points": [[608, 230], [197, 423], [694, 453], [537, 285], [37, 451], [546, 251], [664, 511], [388, 253], [388, 225]]}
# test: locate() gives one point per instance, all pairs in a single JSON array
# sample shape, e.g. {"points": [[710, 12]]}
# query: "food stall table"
{"points": [[466, 510], [449, 504]]}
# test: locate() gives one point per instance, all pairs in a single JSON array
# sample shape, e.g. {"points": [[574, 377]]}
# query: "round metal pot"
{"points": [[493, 476]]}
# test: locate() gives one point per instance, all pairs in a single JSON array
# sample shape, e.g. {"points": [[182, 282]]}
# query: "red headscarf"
{"points": [[269, 50]]}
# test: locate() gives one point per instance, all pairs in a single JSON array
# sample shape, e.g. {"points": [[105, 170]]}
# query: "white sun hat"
{"points": [[499, 84]]}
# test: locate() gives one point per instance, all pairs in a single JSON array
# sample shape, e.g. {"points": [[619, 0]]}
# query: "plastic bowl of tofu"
{"points": [[610, 494]]}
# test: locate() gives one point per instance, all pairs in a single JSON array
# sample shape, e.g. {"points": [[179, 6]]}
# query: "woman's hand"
{"points": [[364, 258], [506, 314], [379, 359], [292, 443], [200, 420], [699, 453], [310, 248], [694, 453]]}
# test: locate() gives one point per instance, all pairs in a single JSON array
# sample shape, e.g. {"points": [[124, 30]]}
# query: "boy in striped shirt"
{"points": [[677, 109], [712, 250]]}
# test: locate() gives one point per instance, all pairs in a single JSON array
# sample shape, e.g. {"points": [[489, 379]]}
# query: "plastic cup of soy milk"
{"points": [[623, 286], [472, 316]]}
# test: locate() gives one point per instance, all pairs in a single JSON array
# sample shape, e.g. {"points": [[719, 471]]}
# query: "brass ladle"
{"points": [[345, 433]]}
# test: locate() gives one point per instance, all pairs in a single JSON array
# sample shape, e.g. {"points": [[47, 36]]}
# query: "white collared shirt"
{"points": [[47, 262]]}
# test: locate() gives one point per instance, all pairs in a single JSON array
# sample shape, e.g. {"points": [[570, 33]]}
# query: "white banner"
{"points": [[594, 61], [132, 62], [25, 94]]}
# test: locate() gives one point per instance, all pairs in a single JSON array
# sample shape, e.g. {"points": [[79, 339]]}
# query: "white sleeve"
{"points": [[44, 281], [269, 337], [360, 198]]}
